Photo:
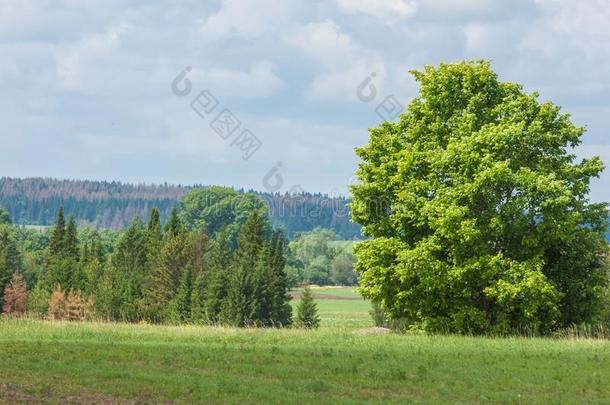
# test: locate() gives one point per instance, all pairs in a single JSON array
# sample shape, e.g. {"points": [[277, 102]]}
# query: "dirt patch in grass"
{"points": [[11, 394], [297, 295]]}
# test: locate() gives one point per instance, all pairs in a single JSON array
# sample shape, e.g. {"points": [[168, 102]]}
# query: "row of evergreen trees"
{"points": [[172, 274]]}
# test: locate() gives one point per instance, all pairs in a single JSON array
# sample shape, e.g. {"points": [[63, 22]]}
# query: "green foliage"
{"points": [[10, 257], [316, 257], [157, 275], [130, 265], [219, 208], [243, 299], [5, 218], [38, 300], [342, 269], [180, 307], [477, 211], [307, 311]]}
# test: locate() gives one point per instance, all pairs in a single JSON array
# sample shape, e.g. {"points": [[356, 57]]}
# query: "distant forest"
{"points": [[113, 205]]}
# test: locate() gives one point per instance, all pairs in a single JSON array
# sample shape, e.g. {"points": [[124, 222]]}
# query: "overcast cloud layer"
{"points": [[86, 86]]}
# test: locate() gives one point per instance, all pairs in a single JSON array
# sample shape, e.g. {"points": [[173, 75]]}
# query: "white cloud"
{"points": [[245, 18], [324, 42], [259, 81], [342, 85], [388, 10]]}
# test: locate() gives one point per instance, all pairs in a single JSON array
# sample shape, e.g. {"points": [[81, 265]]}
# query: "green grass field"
{"points": [[342, 362], [347, 310]]}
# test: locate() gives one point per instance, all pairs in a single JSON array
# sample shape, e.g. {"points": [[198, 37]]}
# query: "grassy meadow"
{"points": [[345, 361]]}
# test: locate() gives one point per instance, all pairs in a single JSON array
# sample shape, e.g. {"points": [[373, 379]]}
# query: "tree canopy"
{"points": [[478, 211]]}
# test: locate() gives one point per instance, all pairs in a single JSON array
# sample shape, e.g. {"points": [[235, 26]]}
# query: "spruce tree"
{"points": [[209, 304], [174, 226], [56, 245], [10, 258], [180, 308], [62, 254], [281, 313], [164, 282], [154, 235], [70, 242], [130, 264], [242, 303], [307, 311]]}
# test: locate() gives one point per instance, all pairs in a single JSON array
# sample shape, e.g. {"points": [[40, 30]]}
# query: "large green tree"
{"points": [[477, 210], [219, 208]]}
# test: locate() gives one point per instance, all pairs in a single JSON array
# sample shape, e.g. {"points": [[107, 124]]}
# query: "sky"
{"points": [[93, 89]]}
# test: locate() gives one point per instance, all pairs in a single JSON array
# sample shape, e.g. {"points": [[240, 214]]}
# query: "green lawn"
{"points": [[342, 362]]}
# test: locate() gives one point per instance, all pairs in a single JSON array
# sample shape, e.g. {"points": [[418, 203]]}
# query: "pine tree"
{"points": [[174, 226], [263, 288], [57, 244], [10, 258], [106, 303], [307, 311], [164, 282], [62, 254], [281, 312], [130, 263], [180, 308], [215, 281], [15, 296], [242, 303], [70, 241], [154, 235]]}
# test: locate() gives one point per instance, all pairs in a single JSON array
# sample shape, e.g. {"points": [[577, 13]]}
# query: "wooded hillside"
{"points": [[113, 205]]}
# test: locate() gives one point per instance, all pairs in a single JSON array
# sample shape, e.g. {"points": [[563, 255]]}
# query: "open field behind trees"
{"points": [[63, 362], [339, 307]]}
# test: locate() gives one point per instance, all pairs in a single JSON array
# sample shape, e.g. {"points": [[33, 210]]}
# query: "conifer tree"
{"points": [[307, 311], [263, 288], [130, 266], [62, 254], [281, 310], [174, 226], [10, 258], [15, 296], [56, 245], [70, 242], [242, 303], [106, 302], [180, 308], [207, 305], [164, 282], [154, 235]]}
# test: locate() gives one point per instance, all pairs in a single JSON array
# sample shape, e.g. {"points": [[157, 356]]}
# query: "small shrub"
{"points": [[379, 317]]}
